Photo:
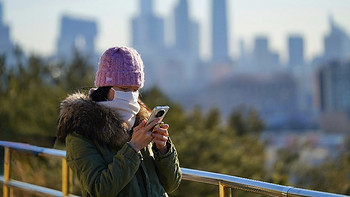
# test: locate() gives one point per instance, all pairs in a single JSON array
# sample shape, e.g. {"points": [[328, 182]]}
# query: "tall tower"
{"points": [[182, 26], [264, 59], [1, 13], [333, 86], [261, 51], [6, 45], [148, 40], [76, 34], [146, 7], [219, 31], [147, 29], [336, 43], [186, 31], [295, 51]]}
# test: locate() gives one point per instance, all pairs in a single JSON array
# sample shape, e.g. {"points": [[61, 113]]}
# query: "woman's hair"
{"points": [[100, 94]]}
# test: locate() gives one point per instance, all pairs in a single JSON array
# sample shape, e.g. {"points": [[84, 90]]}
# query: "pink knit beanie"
{"points": [[120, 66]]}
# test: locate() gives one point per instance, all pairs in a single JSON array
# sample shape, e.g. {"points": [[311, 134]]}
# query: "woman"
{"points": [[109, 148]]}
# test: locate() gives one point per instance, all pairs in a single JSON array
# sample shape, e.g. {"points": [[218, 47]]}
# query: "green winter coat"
{"points": [[99, 154]]}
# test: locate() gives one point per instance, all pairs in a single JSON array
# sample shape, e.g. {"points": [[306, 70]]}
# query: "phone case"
{"points": [[158, 112]]}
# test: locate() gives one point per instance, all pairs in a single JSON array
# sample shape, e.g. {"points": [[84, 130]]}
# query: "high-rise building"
{"points": [[264, 60], [186, 31], [148, 39], [147, 29], [261, 50], [1, 15], [146, 7], [333, 84], [295, 51], [6, 45], [182, 26], [76, 34], [219, 31], [336, 43]]}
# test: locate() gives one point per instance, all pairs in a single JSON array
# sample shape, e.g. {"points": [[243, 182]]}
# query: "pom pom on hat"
{"points": [[120, 66]]}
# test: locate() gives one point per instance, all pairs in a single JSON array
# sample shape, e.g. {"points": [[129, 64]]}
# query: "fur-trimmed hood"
{"points": [[78, 113]]}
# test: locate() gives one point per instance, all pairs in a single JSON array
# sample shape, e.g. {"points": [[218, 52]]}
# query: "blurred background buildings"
{"points": [[6, 45], [76, 34], [297, 95]]}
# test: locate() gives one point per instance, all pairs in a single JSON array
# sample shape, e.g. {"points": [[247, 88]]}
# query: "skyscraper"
{"points": [[76, 34], [295, 51], [219, 31], [146, 7], [1, 15], [264, 60], [182, 26], [148, 40], [186, 31], [336, 43], [6, 45], [147, 29], [333, 86], [261, 49]]}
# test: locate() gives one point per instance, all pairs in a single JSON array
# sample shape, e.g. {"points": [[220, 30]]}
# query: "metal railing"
{"points": [[225, 182]]}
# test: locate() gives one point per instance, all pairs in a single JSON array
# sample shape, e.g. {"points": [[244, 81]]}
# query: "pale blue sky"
{"points": [[35, 23]]}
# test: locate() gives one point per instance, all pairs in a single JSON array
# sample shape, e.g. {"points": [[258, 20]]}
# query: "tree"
{"points": [[246, 120], [204, 143], [330, 176], [31, 93]]}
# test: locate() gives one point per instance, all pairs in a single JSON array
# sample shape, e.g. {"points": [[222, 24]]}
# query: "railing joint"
{"points": [[285, 191]]}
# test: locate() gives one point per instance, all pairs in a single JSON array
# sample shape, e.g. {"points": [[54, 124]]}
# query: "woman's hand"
{"points": [[160, 137], [142, 135]]}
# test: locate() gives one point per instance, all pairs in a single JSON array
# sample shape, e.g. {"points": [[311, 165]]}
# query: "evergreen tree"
{"points": [[30, 93]]}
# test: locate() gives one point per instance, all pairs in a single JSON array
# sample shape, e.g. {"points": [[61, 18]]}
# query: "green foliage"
{"points": [[153, 97], [212, 121], [287, 158], [30, 93], [332, 175], [243, 121], [205, 143], [79, 74]]}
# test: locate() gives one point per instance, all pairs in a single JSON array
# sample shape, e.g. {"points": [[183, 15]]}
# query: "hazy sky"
{"points": [[35, 23]]}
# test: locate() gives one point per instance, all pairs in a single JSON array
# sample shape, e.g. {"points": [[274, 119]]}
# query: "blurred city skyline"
{"points": [[289, 92], [274, 19], [286, 63]]}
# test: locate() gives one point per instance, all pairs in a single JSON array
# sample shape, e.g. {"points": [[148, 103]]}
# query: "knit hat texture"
{"points": [[120, 66]]}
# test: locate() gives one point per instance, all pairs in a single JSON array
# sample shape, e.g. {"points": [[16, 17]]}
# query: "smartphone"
{"points": [[158, 112]]}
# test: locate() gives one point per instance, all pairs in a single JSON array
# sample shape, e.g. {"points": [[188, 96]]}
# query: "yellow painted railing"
{"points": [[9, 183], [225, 182]]}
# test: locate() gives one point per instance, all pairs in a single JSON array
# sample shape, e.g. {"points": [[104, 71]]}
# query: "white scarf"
{"points": [[125, 104]]}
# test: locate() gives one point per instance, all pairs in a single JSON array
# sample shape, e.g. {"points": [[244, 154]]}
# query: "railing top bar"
{"points": [[269, 189], [33, 188], [255, 186], [35, 149], [305, 192]]}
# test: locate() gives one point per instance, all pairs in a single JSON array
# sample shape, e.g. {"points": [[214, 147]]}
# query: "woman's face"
{"points": [[110, 95]]}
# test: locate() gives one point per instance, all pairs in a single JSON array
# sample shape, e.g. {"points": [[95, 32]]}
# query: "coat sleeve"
{"points": [[96, 177], [168, 168]]}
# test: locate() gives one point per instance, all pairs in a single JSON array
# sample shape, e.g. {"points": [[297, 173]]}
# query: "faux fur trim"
{"points": [[78, 113]]}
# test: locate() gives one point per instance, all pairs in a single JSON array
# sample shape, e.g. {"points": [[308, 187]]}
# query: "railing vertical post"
{"points": [[65, 177], [224, 191], [221, 190], [228, 191], [7, 163]]}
